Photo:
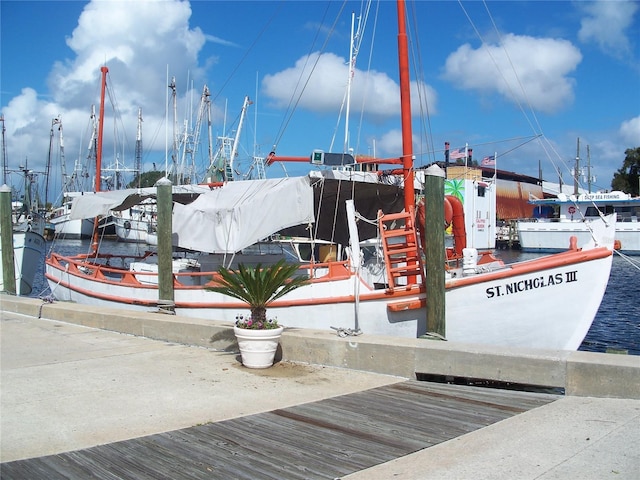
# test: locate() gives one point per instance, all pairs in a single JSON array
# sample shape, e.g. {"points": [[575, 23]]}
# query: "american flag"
{"points": [[489, 161], [457, 153]]}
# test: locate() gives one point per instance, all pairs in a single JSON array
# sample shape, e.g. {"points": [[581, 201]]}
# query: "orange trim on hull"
{"points": [[554, 261], [109, 298], [409, 305], [369, 296]]}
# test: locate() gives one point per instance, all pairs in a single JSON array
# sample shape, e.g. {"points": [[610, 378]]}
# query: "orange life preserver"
{"points": [[453, 216]]}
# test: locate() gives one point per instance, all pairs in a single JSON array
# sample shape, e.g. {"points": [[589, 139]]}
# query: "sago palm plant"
{"points": [[259, 286]]}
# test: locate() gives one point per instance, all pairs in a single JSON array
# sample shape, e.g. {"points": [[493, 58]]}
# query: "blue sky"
{"points": [[490, 74]]}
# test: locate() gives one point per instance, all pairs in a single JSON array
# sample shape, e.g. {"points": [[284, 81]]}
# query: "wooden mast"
{"points": [[104, 70], [405, 108]]}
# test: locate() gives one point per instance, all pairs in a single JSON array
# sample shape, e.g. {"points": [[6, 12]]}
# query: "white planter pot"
{"points": [[258, 347]]}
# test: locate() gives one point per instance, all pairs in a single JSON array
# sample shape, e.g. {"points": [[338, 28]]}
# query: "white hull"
{"points": [[65, 227], [577, 217], [135, 231], [484, 308], [553, 236], [72, 229], [544, 303], [28, 251]]}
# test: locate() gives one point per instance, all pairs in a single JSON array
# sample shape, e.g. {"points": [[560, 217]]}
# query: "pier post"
{"points": [[435, 252], [166, 301], [6, 232]]}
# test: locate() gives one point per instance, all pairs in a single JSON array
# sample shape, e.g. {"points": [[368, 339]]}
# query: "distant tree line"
{"points": [[146, 179], [627, 178]]}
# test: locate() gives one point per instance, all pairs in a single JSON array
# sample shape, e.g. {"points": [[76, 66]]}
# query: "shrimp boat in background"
{"points": [[28, 227], [575, 217], [28, 244], [138, 224], [379, 291]]}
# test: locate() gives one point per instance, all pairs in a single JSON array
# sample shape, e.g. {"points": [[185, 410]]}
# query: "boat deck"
{"points": [[319, 440]]}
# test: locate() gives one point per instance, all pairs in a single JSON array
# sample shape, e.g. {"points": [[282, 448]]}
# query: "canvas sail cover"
{"points": [[241, 213], [95, 204]]}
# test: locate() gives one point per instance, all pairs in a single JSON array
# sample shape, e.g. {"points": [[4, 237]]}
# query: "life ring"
{"points": [[453, 216]]}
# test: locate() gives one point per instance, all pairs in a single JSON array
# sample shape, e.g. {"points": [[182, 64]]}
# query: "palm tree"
{"points": [[258, 286]]}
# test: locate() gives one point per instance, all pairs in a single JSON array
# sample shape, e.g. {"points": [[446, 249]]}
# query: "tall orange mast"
{"points": [[405, 108], [104, 70]]}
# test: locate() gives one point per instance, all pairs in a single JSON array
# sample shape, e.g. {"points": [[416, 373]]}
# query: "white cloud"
{"points": [[323, 79], [389, 143], [630, 132], [525, 70], [606, 23], [139, 42]]}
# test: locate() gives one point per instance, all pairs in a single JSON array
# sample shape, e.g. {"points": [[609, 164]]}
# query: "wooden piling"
{"points": [[435, 252], [6, 232], [166, 299]]}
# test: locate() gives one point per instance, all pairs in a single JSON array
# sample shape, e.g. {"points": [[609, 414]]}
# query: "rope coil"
{"points": [[347, 332]]}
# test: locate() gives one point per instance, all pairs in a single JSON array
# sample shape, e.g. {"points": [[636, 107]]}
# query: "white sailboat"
{"points": [[520, 305], [65, 228], [28, 227]]}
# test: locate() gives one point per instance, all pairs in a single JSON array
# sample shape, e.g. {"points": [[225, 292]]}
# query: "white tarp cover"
{"points": [[89, 205], [239, 214]]}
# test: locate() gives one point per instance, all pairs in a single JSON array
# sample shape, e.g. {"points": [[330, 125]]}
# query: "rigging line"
{"points": [[290, 111], [422, 93], [356, 44], [367, 77], [528, 139], [246, 53], [531, 109], [117, 121], [495, 63], [519, 104], [335, 210], [316, 225], [356, 38], [335, 130], [628, 259], [517, 146]]}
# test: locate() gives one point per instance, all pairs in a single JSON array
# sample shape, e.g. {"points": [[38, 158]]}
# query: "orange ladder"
{"points": [[400, 246]]}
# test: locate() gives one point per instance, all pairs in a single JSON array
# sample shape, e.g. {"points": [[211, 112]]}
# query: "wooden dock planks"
{"points": [[318, 440]]}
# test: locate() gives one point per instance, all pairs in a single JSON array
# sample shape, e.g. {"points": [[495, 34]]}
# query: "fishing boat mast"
{"points": [[138, 166], [104, 70], [5, 168], [405, 108]]}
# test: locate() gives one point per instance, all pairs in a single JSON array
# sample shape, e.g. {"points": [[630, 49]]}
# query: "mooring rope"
{"points": [[347, 332], [45, 300]]}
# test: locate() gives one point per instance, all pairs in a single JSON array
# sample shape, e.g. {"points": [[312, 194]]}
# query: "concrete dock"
{"points": [[73, 377]]}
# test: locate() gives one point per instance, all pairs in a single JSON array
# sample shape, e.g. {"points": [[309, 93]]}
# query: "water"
{"points": [[616, 326], [617, 323]]}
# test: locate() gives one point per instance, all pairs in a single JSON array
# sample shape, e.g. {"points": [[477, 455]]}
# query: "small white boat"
{"points": [[28, 245], [564, 216], [67, 228], [138, 224]]}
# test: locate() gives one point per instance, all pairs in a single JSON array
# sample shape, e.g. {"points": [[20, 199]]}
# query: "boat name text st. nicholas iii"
{"points": [[532, 283]]}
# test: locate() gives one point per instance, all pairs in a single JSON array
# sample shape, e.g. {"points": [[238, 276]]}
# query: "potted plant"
{"points": [[258, 286]]}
